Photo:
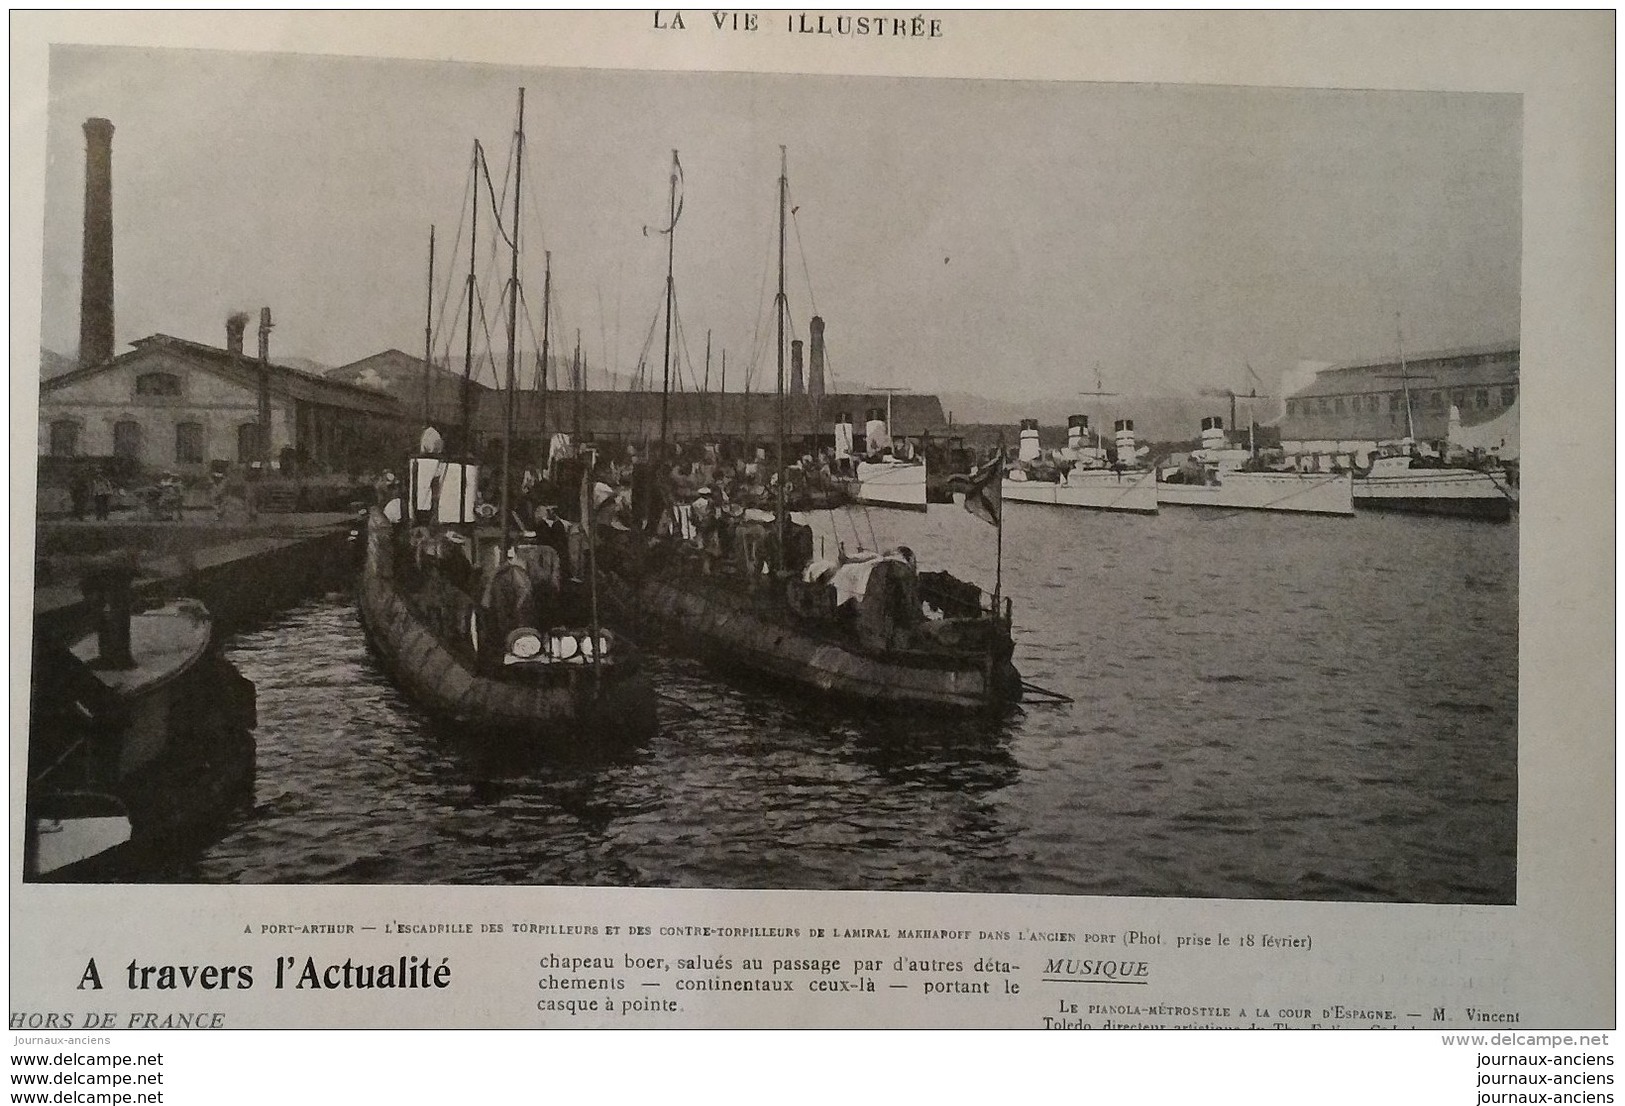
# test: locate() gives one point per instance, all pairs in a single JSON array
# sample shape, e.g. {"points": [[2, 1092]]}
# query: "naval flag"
{"points": [[984, 493]]}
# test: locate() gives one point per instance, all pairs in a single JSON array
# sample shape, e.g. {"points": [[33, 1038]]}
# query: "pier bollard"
{"points": [[109, 590]]}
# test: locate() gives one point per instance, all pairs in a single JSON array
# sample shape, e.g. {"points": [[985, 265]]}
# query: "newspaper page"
{"points": [[811, 519]]}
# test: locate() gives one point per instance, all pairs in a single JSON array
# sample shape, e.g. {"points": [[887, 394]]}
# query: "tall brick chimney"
{"points": [[796, 386], [815, 370], [265, 388], [96, 274]]}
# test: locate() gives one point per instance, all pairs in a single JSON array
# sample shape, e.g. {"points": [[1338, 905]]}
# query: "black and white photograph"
{"points": [[458, 474]]}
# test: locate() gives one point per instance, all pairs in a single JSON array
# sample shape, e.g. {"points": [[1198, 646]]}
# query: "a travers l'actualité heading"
{"points": [[872, 25]]}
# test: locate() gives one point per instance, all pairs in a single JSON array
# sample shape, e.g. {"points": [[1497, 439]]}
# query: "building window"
{"points": [[1323, 405], [1436, 401], [1459, 397], [189, 443], [64, 438], [1337, 405], [248, 443], [157, 384], [1509, 395], [1373, 403], [1481, 398], [1396, 402], [127, 439], [1291, 407]]}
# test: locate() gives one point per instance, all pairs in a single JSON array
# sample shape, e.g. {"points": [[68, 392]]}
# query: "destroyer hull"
{"points": [[898, 486], [1457, 494], [1135, 492], [1300, 493]]}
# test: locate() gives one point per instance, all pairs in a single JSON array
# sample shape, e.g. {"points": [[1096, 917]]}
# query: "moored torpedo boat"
{"points": [[871, 630], [1087, 476], [746, 593], [499, 647], [495, 627], [1217, 475]]}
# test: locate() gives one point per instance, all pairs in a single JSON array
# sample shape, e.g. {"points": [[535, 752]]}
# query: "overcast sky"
{"points": [[1004, 238]]}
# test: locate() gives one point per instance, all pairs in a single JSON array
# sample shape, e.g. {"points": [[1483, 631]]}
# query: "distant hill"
{"points": [[401, 375]]}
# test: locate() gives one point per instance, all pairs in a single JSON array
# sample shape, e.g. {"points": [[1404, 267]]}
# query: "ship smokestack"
{"points": [[96, 273], [876, 433], [1077, 429], [843, 435], [1123, 433], [815, 354], [236, 324], [796, 386], [1213, 433], [1029, 440]]}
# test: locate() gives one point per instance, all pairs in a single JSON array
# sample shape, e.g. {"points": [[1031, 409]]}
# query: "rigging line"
{"points": [[507, 168], [456, 253], [485, 325], [761, 310], [641, 383], [677, 213], [535, 210], [491, 263], [535, 341], [603, 338], [683, 354], [496, 204], [812, 300]]}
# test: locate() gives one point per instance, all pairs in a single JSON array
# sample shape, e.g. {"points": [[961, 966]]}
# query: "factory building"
{"points": [[1465, 396], [179, 405]]}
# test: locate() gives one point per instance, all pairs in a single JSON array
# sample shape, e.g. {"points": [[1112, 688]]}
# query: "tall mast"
{"points": [[575, 385], [1404, 376], [513, 321], [705, 388], [465, 444], [428, 329], [547, 311], [665, 361], [781, 308]]}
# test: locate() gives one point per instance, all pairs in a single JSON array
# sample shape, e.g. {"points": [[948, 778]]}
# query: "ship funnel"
{"points": [[1029, 440], [796, 386], [1123, 435], [1077, 429], [843, 435], [1213, 433], [875, 431]]}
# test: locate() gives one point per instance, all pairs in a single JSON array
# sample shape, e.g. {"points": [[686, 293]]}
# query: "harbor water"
{"points": [[1265, 706]]}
